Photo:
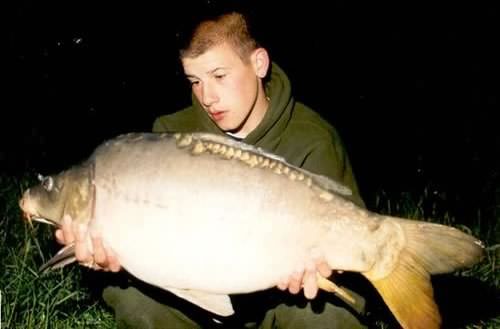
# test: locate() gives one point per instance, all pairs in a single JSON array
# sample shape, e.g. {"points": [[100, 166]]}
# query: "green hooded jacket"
{"points": [[289, 129]]}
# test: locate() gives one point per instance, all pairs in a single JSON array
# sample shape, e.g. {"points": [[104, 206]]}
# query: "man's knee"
{"points": [[134, 309], [331, 316], [326, 312]]}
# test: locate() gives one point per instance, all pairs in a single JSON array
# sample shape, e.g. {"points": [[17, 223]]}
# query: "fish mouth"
{"points": [[30, 218], [29, 215]]}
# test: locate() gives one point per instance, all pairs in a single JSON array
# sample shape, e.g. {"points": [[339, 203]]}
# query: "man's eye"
{"points": [[220, 76]]}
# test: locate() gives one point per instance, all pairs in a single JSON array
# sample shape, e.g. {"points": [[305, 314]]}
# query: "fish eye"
{"points": [[48, 183]]}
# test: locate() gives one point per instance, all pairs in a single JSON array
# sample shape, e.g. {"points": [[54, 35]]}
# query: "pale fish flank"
{"points": [[204, 217]]}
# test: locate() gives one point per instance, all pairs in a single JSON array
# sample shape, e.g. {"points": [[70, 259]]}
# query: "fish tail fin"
{"points": [[428, 249]]}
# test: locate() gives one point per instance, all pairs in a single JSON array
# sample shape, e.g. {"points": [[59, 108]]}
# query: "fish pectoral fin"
{"points": [[218, 304], [63, 257]]}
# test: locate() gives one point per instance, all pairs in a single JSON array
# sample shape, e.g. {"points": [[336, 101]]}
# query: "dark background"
{"points": [[411, 86]]}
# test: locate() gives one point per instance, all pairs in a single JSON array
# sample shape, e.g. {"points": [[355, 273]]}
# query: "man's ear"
{"points": [[260, 62]]}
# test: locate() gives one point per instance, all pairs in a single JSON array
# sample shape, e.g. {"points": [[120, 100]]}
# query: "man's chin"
{"points": [[224, 126], [228, 127]]}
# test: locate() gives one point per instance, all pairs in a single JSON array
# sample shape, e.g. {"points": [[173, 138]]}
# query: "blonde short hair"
{"points": [[231, 28]]}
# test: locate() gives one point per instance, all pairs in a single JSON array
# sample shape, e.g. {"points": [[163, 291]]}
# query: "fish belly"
{"points": [[204, 246]]}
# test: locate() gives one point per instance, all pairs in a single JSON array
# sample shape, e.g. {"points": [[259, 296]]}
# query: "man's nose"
{"points": [[209, 95]]}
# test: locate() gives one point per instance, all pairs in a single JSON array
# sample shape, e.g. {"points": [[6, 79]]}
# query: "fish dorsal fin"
{"points": [[230, 142], [330, 185], [215, 303], [228, 148]]}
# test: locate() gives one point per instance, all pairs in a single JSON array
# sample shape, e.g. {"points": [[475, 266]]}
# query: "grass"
{"points": [[67, 299], [59, 299]]}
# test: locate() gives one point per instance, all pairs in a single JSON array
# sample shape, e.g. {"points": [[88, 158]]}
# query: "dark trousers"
{"points": [[137, 305]]}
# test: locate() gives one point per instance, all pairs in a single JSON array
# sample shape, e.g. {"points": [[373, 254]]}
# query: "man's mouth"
{"points": [[217, 115]]}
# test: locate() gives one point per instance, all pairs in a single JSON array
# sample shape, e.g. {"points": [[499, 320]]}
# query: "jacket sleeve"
{"points": [[329, 158]]}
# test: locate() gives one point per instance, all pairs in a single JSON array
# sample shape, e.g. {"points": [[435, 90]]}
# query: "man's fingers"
{"points": [[74, 232], [320, 264], [114, 265], [67, 230], [60, 236], [295, 283], [307, 279], [310, 284], [324, 269], [283, 284], [103, 257], [81, 251], [100, 256]]}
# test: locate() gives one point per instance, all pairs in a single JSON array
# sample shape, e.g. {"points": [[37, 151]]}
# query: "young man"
{"points": [[228, 71]]}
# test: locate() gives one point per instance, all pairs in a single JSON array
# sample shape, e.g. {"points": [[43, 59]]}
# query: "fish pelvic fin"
{"points": [[64, 256], [216, 303], [429, 249]]}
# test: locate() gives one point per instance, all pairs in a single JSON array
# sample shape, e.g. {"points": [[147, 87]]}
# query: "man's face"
{"points": [[226, 87]]}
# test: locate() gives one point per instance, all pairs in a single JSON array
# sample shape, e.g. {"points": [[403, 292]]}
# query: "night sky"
{"points": [[412, 87]]}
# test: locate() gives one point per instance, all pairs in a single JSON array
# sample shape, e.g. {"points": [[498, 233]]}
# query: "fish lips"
{"points": [[29, 215]]}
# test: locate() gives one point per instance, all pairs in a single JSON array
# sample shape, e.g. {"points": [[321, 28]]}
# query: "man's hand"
{"points": [[306, 278], [72, 232]]}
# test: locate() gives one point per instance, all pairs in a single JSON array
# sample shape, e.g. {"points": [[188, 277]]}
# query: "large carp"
{"points": [[204, 216]]}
